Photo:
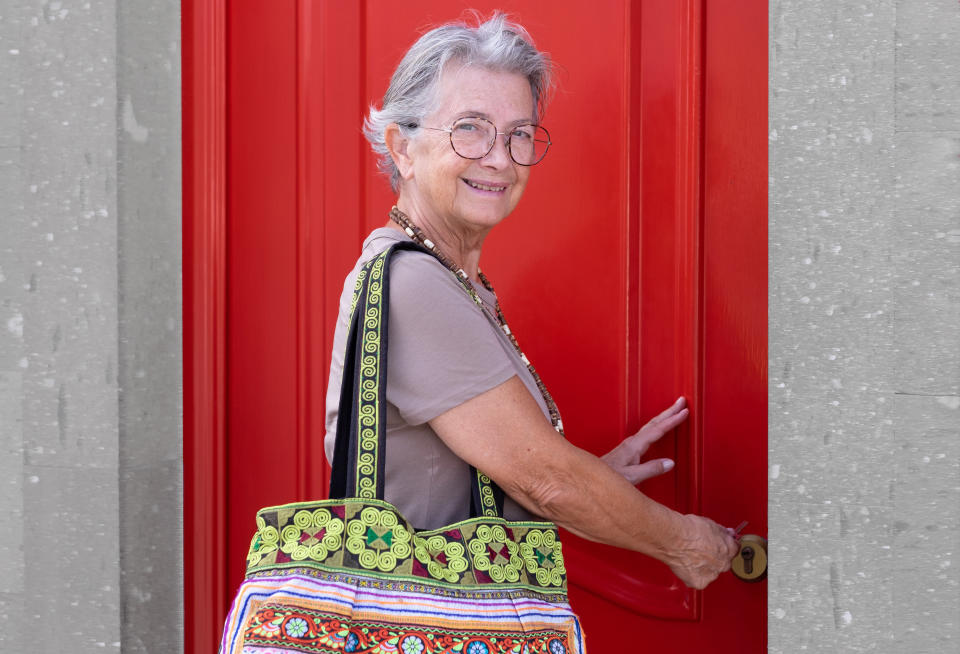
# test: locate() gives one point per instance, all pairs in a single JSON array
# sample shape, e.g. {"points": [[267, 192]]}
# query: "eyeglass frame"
{"points": [[449, 131]]}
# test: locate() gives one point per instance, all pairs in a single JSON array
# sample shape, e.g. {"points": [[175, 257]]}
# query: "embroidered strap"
{"points": [[358, 464]]}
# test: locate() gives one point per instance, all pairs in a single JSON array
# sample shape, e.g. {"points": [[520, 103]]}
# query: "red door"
{"points": [[633, 271]]}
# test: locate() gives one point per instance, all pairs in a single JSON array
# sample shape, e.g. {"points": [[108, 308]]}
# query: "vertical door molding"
{"points": [[331, 191], [664, 225], [204, 311]]}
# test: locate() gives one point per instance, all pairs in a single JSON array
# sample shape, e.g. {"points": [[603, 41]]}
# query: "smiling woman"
{"points": [[455, 198], [451, 472]]}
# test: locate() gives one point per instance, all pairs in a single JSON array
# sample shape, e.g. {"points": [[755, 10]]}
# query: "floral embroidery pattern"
{"points": [[477, 647], [311, 535], [378, 539], [412, 645], [543, 557], [496, 554], [314, 631], [372, 536], [444, 559], [296, 627], [265, 542]]}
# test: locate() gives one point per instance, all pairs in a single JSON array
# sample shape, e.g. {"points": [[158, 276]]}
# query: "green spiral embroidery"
{"points": [[496, 554], [368, 398], [265, 541], [377, 539], [362, 275], [541, 552], [487, 500], [311, 535], [444, 559]]}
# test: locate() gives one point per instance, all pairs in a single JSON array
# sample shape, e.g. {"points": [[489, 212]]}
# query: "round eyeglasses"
{"points": [[474, 138]]}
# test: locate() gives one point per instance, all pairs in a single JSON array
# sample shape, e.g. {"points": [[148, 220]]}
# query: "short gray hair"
{"points": [[497, 44]]}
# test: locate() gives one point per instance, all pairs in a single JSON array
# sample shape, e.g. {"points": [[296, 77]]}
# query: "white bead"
{"points": [[409, 232], [429, 243]]}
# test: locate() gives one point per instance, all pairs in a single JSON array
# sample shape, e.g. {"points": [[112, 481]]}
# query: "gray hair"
{"points": [[497, 44]]}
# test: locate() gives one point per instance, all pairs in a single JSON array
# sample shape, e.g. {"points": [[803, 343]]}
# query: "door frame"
{"points": [[205, 207], [204, 36]]}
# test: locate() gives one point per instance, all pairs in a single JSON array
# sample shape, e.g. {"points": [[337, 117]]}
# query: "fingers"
{"points": [[639, 473], [662, 424], [674, 408]]}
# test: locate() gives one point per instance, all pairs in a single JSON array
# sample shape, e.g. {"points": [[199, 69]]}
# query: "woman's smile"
{"points": [[486, 187]]}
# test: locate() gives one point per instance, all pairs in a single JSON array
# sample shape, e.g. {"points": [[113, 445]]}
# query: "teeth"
{"points": [[484, 187]]}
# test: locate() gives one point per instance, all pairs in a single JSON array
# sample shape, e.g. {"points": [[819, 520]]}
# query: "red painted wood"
{"points": [[632, 271], [263, 454], [204, 321]]}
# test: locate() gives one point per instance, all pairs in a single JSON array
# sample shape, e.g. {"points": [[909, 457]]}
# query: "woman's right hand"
{"points": [[705, 550]]}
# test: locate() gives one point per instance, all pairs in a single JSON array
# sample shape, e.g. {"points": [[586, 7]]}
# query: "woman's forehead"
{"points": [[481, 91]]}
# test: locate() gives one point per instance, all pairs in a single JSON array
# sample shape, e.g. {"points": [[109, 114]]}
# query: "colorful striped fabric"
{"points": [[350, 613]]}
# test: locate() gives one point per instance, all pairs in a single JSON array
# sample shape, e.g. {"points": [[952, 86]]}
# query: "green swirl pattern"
{"points": [[487, 501], [368, 397], [371, 537]]}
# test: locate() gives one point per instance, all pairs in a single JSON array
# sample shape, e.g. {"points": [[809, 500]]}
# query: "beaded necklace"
{"points": [[419, 237]]}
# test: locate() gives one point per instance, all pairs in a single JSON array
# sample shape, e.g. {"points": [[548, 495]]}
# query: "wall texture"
{"points": [[90, 326], [864, 454]]}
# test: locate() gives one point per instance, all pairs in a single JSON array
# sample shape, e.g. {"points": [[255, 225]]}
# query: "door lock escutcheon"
{"points": [[750, 563]]}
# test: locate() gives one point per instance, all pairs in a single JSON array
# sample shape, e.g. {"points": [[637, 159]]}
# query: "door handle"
{"points": [[750, 563]]}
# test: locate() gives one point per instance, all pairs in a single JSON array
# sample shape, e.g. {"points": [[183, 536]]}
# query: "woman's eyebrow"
{"points": [[481, 114]]}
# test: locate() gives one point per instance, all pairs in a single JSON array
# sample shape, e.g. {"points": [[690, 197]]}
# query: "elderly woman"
{"points": [[459, 133]]}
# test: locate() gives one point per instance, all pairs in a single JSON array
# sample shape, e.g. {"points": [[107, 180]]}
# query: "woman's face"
{"points": [[444, 184]]}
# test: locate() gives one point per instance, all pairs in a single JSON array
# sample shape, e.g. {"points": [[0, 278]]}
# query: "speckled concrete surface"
{"points": [[90, 326], [864, 306], [150, 324]]}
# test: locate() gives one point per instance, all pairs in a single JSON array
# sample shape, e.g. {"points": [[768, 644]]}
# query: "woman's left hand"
{"points": [[625, 457]]}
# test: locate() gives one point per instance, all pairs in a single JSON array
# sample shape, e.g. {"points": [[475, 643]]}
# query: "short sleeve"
{"points": [[442, 348]]}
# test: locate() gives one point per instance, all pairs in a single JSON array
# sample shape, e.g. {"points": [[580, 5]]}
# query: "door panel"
{"points": [[633, 270]]}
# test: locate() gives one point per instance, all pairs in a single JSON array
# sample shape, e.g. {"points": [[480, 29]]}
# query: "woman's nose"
{"points": [[499, 155]]}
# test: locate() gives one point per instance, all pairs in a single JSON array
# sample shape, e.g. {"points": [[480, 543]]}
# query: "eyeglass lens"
{"points": [[473, 138]]}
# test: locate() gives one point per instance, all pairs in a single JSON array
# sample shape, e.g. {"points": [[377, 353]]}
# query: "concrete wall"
{"points": [[864, 312], [90, 326]]}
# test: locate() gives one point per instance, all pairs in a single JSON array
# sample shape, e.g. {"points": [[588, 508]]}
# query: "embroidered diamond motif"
{"points": [[544, 559], [380, 538], [498, 553]]}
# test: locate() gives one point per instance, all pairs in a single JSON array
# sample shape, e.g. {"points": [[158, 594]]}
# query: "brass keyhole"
{"points": [[750, 563], [747, 554]]}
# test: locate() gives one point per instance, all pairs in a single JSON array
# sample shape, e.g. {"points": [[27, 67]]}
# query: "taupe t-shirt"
{"points": [[443, 350]]}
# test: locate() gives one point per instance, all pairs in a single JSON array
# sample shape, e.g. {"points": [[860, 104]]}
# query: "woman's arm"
{"points": [[503, 433]]}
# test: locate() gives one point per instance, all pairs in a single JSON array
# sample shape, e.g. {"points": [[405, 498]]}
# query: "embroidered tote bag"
{"points": [[350, 574]]}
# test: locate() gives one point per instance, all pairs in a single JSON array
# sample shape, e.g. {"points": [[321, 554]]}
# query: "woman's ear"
{"points": [[398, 147]]}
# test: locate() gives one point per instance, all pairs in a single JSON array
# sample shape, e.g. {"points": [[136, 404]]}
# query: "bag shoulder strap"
{"points": [[360, 448]]}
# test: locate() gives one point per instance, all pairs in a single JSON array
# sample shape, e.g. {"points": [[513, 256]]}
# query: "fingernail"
{"points": [[667, 465]]}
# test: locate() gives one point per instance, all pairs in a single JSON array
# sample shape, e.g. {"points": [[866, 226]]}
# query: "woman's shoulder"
{"points": [[409, 269]]}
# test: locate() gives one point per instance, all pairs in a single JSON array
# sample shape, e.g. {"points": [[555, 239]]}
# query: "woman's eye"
{"points": [[522, 134], [466, 127]]}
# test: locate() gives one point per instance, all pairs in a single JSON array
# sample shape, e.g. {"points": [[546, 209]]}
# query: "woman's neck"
{"points": [[460, 245]]}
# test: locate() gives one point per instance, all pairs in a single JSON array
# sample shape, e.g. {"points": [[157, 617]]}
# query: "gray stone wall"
{"points": [[864, 441], [90, 326]]}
